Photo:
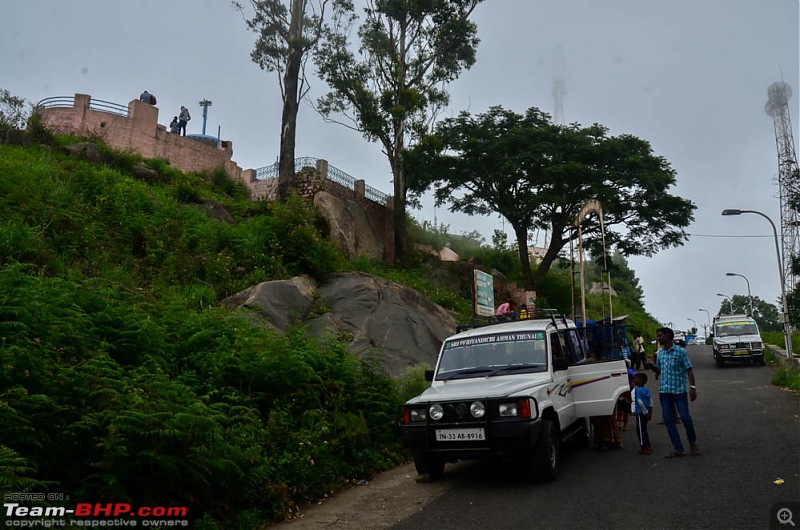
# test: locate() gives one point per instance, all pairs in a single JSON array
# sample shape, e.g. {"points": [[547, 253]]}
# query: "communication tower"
{"points": [[778, 95]]}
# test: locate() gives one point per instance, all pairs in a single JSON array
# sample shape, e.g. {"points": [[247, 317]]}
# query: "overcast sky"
{"points": [[690, 76]]}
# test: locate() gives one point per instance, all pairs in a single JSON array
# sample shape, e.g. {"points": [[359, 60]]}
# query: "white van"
{"points": [[510, 389], [737, 339]]}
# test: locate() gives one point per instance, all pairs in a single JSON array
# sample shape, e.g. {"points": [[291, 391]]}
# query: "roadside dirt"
{"points": [[388, 498]]}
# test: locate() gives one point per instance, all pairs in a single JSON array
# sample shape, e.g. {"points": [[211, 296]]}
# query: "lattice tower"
{"points": [[778, 95]]}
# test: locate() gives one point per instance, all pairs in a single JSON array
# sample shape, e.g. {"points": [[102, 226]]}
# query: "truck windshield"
{"points": [[490, 355], [729, 329]]}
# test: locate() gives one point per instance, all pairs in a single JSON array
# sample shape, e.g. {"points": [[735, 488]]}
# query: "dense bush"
{"points": [[120, 381]]}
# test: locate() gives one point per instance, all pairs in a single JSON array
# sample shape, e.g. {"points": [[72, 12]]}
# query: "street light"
{"points": [[694, 329], [749, 296], [708, 316], [787, 328], [730, 302]]}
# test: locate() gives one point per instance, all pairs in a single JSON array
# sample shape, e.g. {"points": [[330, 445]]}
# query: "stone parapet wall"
{"points": [[310, 182], [140, 132]]}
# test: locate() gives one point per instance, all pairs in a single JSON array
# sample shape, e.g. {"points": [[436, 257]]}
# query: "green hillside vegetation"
{"points": [[122, 379]]}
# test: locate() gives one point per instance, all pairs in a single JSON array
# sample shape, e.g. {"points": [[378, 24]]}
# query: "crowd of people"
{"points": [[178, 123]]}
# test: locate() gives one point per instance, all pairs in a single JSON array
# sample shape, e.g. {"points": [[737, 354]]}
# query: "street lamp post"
{"points": [[730, 302], [749, 296], [787, 328], [694, 328], [708, 316]]}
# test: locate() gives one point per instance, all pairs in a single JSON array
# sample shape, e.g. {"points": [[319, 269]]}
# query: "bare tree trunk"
{"points": [[290, 101], [524, 258], [400, 229]]}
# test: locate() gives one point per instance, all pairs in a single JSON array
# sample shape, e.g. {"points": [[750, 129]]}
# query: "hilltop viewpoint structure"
{"points": [[359, 217]]}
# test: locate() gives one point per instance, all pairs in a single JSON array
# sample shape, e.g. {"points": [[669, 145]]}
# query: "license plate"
{"points": [[741, 352], [459, 435]]}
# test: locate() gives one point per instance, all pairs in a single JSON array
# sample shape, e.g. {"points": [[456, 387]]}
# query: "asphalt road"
{"points": [[749, 433]]}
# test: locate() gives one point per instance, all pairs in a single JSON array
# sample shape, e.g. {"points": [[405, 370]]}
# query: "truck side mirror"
{"points": [[429, 375]]}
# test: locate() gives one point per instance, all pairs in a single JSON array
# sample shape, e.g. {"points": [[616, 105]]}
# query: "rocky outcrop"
{"points": [[397, 324], [351, 228]]}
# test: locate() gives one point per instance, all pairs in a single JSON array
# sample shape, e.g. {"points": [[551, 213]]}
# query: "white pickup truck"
{"points": [[510, 389], [737, 339]]}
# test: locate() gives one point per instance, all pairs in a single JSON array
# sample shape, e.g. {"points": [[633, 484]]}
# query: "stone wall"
{"points": [[140, 132], [310, 182]]}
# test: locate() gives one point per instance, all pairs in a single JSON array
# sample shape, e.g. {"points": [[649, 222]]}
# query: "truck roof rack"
{"points": [[533, 314]]}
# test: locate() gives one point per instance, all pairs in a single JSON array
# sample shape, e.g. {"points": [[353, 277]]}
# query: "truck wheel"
{"points": [[762, 361], [720, 362], [547, 453], [429, 465]]}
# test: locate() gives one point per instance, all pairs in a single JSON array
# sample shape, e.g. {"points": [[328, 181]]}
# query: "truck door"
{"points": [[596, 386], [561, 393]]}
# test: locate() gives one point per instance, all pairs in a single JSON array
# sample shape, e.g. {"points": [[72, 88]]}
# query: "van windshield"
{"points": [[489, 355], [729, 329]]}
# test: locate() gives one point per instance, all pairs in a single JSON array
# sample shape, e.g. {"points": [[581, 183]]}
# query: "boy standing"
{"points": [[642, 408]]}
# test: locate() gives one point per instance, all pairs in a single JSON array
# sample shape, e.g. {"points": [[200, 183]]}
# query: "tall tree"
{"points": [[287, 31], [392, 89], [538, 175]]}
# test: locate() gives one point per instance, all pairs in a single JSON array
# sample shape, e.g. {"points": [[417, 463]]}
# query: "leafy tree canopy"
{"points": [[392, 88], [538, 175]]}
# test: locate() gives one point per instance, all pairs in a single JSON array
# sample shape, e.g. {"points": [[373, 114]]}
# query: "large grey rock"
{"points": [[397, 321], [277, 303], [351, 228], [397, 324]]}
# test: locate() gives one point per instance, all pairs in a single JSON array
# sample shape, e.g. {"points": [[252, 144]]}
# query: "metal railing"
{"points": [[94, 104], [335, 174]]}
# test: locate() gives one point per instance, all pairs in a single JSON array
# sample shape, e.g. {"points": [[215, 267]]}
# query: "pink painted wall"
{"points": [[141, 133]]}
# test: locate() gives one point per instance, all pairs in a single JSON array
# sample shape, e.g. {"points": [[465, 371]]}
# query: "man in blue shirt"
{"points": [[673, 366]]}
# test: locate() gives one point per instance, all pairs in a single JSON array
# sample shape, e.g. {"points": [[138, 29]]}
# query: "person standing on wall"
{"points": [[148, 98], [183, 119], [672, 365]]}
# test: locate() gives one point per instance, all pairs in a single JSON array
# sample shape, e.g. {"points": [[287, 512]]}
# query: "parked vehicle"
{"points": [[736, 338], [510, 389]]}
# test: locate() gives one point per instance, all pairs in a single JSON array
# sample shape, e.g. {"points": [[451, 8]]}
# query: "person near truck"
{"points": [[673, 367], [642, 409], [638, 359]]}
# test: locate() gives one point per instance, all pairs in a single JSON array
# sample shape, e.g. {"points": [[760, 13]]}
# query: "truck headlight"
{"points": [[507, 410], [522, 408], [477, 410], [419, 415], [436, 412]]}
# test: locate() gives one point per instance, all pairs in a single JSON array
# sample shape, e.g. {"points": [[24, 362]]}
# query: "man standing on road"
{"points": [[673, 365], [638, 351]]}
